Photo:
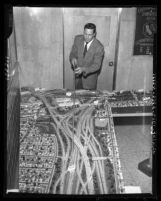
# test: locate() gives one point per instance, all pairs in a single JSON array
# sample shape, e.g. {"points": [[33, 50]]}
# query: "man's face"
{"points": [[88, 35]]}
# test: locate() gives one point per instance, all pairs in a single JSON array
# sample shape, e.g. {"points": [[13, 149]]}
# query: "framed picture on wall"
{"points": [[146, 27]]}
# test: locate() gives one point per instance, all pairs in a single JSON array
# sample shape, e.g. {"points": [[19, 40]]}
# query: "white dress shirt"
{"points": [[88, 45]]}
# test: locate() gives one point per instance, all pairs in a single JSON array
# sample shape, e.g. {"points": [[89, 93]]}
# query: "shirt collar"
{"points": [[89, 42]]}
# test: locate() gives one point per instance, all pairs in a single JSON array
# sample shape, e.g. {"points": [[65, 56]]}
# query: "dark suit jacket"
{"points": [[92, 61]]}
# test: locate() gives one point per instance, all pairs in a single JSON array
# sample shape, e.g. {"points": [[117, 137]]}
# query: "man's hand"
{"points": [[74, 62], [79, 70]]}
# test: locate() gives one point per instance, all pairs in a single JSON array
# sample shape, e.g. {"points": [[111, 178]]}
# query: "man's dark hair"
{"points": [[90, 26]]}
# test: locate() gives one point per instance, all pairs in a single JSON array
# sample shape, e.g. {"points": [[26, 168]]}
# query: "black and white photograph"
{"points": [[80, 100]]}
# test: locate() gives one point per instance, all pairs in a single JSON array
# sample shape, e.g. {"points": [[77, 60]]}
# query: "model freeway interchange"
{"points": [[68, 143]]}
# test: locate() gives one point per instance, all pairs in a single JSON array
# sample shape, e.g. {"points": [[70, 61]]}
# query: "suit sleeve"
{"points": [[97, 60], [74, 51]]}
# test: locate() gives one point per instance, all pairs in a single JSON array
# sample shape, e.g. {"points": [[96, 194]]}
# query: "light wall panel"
{"points": [[39, 35]]}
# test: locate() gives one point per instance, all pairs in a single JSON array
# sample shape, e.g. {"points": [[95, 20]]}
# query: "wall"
{"points": [[40, 49], [39, 38], [133, 72]]}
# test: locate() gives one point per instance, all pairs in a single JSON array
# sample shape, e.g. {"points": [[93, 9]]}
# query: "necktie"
{"points": [[85, 50]]}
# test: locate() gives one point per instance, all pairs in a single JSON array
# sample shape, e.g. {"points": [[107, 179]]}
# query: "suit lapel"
{"points": [[82, 46]]}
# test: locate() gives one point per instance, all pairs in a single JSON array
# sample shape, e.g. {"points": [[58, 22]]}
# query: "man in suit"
{"points": [[86, 58]]}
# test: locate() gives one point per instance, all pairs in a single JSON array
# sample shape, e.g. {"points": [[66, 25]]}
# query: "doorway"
{"points": [[106, 21]]}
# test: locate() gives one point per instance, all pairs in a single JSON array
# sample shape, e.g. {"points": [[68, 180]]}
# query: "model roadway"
{"points": [[77, 173]]}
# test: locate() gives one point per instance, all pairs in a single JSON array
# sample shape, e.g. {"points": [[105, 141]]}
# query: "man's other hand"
{"points": [[79, 70]]}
